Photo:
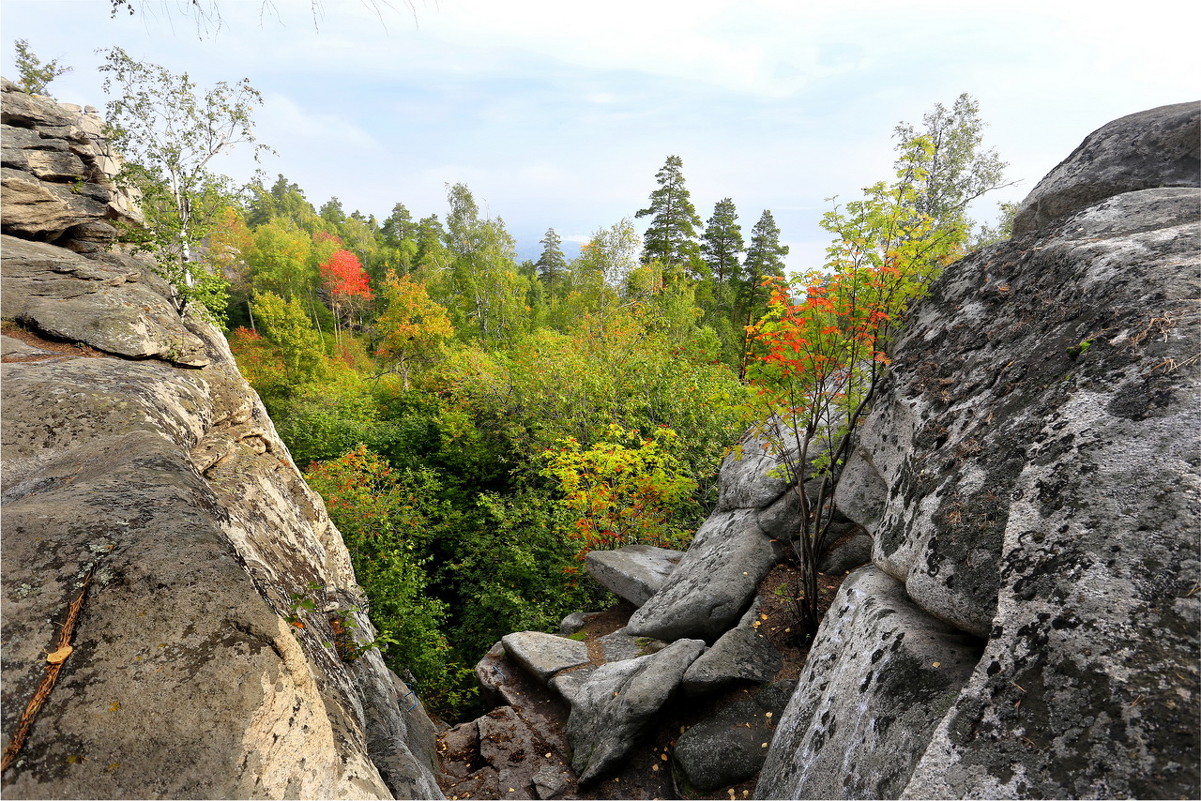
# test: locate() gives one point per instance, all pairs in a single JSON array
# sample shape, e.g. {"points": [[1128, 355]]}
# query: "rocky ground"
{"points": [[649, 771]]}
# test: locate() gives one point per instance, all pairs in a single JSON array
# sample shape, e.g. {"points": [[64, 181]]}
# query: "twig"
{"points": [[25, 724]]}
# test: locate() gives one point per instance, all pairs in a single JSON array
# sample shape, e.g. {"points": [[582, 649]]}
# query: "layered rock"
{"points": [[56, 172], [1030, 476], [145, 487]]}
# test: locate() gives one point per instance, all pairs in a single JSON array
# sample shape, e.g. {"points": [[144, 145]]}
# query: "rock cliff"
{"points": [[1032, 481], [156, 525]]}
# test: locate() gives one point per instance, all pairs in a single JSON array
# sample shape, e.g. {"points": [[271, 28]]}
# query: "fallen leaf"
{"points": [[59, 656], [768, 714], [548, 756], [936, 664], [763, 746], [663, 757], [654, 767]]}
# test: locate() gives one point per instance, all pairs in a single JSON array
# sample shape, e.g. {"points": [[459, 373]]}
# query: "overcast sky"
{"points": [[558, 113]]}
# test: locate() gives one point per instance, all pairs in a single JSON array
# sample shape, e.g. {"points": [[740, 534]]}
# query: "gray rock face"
{"points": [[739, 655], [731, 746], [714, 582], [544, 655], [1036, 450], [751, 476], [1147, 150], [616, 703], [634, 572], [166, 491], [881, 675], [847, 556]]}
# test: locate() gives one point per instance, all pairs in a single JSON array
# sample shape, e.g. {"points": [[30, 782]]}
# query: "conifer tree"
{"points": [[764, 258], [671, 237], [551, 264], [723, 241]]}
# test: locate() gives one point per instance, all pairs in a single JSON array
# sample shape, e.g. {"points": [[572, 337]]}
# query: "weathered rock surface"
{"points": [[881, 675], [1148, 150], [731, 746], [616, 703], [847, 556], [543, 655], [55, 174], [714, 582], [739, 655], [633, 572], [114, 307], [1030, 474], [164, 491]]}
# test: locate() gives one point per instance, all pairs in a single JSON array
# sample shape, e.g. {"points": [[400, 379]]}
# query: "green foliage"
{"points": [[285, 325], [169, 134], [384, 518], [624, 490], [32, 75]]}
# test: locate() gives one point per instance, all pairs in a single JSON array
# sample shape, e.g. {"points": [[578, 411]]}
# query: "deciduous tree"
{"points": [[170, 134], [413, 328]]}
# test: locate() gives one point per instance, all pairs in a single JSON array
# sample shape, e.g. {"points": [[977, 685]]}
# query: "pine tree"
{"points": [[671, 237], [551, 264], [723, 241], [764, 258]]}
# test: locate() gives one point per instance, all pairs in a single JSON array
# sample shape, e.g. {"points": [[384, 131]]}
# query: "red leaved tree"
{"points": [[346, 284]]}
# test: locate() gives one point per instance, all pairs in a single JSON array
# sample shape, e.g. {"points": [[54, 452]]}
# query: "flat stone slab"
{"points": [[543, 655], [634, 572]]}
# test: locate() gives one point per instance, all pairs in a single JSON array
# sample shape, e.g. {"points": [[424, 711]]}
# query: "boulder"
{"points": [[751, 475], [575, 621], [618, 701], [633, 572], [880, 676], [714, 582], [1035, 464], [1148, 150], [846, 555], [543, 655], [731, 746], [499, 677], [739, 655]]}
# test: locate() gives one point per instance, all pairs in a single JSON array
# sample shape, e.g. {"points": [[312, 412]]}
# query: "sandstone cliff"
{"points": [[1031, 479], [153, 519]]}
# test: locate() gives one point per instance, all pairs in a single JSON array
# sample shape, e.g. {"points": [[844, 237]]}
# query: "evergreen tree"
{"points": [[723, 241], [671, 237], [551, 264], [764, 258], [283, 202], [333, 215]]}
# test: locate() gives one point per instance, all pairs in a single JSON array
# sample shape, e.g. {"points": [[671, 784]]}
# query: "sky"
{"points": [[558, 113]]}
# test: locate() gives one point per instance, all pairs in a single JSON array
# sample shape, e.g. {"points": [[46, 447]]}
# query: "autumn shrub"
{"points": [[624, 490]]}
